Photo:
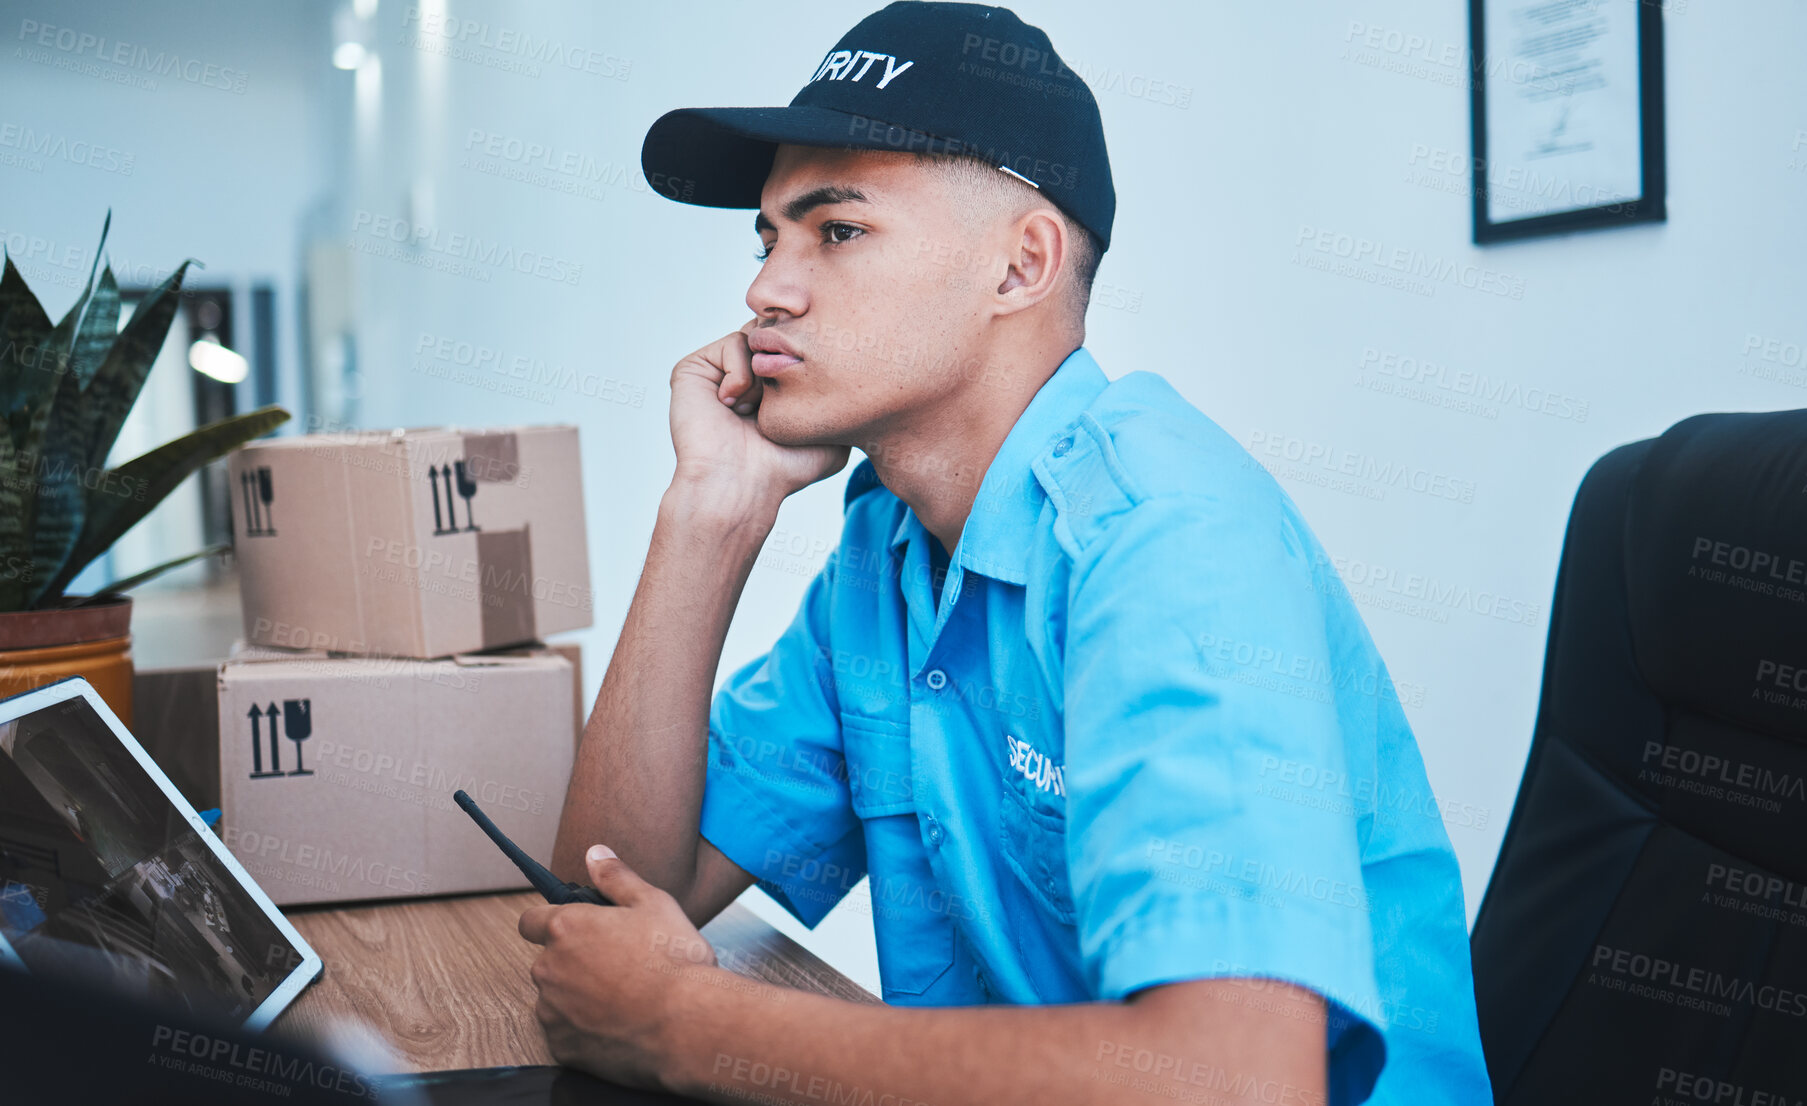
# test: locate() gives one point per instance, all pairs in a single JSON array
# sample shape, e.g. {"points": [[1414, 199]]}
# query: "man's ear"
{"points": [[1035, 262]]}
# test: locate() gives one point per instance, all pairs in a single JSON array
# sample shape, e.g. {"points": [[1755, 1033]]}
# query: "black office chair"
{"points": [[1644, 936]]}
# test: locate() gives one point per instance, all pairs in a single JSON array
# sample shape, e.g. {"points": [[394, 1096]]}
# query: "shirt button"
{"points": [[1061, 447], [934, 832], [937, 679]]}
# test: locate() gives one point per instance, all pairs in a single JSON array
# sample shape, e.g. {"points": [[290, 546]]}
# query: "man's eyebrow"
{"points": [[809, 201]]}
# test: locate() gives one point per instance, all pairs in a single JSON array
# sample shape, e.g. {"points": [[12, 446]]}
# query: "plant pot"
{"points": [[93, 642]]}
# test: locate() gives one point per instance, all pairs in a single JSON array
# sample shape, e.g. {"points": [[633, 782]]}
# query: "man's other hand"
{"points": [[610, 977]]}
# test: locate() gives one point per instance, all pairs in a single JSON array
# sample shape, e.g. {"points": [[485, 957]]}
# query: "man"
{"points": [[1078, 690]]}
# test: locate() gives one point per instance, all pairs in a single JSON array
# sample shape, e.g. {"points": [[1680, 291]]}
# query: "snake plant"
{"points": [[65, 391]]}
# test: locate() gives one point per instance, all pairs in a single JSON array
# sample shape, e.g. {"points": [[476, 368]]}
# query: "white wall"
{"points": [[1293, 126]]}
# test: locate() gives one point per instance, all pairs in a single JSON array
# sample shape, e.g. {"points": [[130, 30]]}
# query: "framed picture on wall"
{"points": [[1566, 98]]}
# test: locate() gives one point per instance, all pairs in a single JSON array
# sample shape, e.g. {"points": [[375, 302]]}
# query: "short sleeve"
{"points": [[775, 797], [1195, 659]]}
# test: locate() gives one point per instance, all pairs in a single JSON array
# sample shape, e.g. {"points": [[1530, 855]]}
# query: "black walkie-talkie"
{"points": [[556, 890]]}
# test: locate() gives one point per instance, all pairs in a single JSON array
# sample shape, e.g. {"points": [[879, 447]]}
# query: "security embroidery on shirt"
{"points": [[1035, 767]]}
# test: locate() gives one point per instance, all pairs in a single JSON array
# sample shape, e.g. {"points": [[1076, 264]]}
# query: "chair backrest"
{"points": [[1644, 935]]}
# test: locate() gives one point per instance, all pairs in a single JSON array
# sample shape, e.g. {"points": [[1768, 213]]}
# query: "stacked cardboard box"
{"points": [[411, 543], [395, 586]]}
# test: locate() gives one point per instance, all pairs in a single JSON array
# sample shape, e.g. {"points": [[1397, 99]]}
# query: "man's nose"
{"points": [[779, 287]]}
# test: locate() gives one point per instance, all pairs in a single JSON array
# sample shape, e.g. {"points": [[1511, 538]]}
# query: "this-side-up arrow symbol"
{"points": [[433, 478], [450, 511], [244, 485], [257, 760]]}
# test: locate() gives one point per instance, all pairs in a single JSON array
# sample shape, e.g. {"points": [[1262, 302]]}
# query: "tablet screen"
{"points": [[105, 875]]}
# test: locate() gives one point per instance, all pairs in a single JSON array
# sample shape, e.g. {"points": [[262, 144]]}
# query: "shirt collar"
{"points": [[995, 540]]}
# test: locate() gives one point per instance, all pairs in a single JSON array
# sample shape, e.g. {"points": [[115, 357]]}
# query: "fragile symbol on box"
{"points": [[259, 522], [466, 489], [297, 717]]}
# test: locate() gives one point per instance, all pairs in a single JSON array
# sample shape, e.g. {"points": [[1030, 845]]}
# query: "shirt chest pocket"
{"points": [[879, 778], [1032, 827], [909, 913]]}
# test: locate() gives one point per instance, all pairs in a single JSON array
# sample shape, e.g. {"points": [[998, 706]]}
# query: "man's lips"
{"points": [[772, 353], [771, 364]]}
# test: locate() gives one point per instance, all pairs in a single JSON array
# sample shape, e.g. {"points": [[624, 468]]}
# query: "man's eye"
{"points": [[831, 233], [764, 252]]}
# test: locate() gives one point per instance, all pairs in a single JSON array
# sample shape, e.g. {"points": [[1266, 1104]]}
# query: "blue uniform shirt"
{"points": [[1144, 736]]}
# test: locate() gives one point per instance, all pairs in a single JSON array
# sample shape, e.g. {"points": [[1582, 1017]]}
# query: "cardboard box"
{"points": [[411, 543], [335, 774], [177, 717]]}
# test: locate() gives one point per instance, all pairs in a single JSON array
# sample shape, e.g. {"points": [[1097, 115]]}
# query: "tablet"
{"points": [[107, 872]]}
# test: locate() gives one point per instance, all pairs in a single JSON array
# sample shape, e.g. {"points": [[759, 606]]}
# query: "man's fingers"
{"points": [[536, 922], [611, 875], [749, 402], [739, 388]]}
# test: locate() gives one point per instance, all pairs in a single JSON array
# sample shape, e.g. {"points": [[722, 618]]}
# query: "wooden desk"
{"points": [[442, 983]]}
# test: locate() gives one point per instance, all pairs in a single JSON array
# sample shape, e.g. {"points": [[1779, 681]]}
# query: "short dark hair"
{"points": [[1087, 250]]}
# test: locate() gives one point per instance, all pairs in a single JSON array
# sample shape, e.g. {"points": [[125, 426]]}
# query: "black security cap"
{"points": [[945, 78]]}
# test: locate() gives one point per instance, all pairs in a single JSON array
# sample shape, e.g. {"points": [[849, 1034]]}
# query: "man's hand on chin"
{"points": [[611, 977]]}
